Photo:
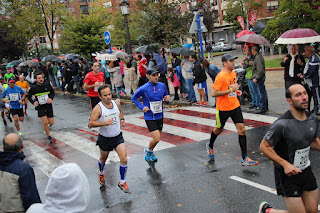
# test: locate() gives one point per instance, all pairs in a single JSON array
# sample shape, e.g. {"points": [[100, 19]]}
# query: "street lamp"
{"points": [[199, 20], [124, 5]]}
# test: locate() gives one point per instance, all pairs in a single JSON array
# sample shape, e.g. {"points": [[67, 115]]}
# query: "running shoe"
{"points": [[264, 206], [149, 157], [101, 179], [198, 103], [210, 151], [249, 162], [50, 139], [20, 133], [25, 113], [124, 187], [5, 123], [205, 103], [121, 93]]}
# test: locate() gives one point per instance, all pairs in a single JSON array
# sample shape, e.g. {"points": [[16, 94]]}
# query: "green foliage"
{"points": [[293, 14], [85, 35], [237, 8], [162, 22]]}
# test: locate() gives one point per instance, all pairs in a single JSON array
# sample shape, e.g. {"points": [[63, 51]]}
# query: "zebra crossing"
{"points": [[182, 125]]}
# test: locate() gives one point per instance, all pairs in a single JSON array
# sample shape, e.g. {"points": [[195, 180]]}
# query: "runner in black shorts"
{"points": [[41, 95], [287, 144], [154, 125]]}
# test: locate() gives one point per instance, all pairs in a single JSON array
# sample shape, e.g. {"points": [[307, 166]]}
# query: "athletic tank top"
{"points": [[113, 129]]}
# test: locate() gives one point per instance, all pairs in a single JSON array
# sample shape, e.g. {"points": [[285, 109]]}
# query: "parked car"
{"points": [[220, 47]]}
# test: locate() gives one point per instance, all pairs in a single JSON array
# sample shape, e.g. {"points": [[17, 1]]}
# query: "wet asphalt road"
{"points": [[183, 180]]}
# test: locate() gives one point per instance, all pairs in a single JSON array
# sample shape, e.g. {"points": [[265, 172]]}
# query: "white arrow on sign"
{"points": [[194, 26]]}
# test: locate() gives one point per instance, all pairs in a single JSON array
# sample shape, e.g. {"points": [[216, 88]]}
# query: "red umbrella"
{"points": [[244, 32], [299, 36], [254, 39], [35, 60]]}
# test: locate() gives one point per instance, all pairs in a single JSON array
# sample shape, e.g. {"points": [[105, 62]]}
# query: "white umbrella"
{"points": [[107, 57], [299, 36], [120, 54]]}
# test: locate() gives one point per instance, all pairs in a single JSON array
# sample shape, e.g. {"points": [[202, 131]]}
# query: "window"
{"points": [[55, 45], [107, 4], [272, 6], [84, 8], [42, 40]]}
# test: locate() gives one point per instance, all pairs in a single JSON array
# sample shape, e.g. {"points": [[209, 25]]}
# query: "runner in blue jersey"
{"points": [[152, 93], [16, 96]]}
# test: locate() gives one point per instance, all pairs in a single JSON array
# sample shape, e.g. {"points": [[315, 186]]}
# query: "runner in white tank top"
{"points": [[108, 115]]}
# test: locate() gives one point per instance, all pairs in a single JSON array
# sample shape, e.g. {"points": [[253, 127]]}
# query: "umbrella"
{"points": [[15, 62], [244, 32], [107, 57], [50, 58], [186, 52], [176, 50], [22, 64], [35, 64], [5, 64], [30, 62], [120, 54], [160, 63], [144, 49], [35, 60], [188, 46], [254, 39], [105, 51], [9, 65], [298, 36]]}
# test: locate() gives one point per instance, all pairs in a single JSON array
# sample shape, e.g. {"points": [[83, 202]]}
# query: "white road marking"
{"points": [[256, 185]]}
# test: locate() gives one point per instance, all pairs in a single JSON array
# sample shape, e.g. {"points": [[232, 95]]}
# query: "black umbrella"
{"points": [[176, 50], [16, 62], [50, 58], [35, 64], [186, 52], [144, 49]]}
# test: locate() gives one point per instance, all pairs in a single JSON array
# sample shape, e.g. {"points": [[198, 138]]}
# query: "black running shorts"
{"points": [[222, 117], [154, 125], [293, 186], [45, 110], [109, 143], [18, 112], [94, 101]]}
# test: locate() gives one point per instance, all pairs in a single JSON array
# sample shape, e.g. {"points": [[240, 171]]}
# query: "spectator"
{"points": [[121, 63], [200, 78], [142, 70], [212, 71], [209, 50], [55, 73], [49, 69], [292, 67], [75, 74], [135, 66], [132, 77], [18, 190], [175, 61], [104, 69], [186, 67], [67, 191], [247, 66], [116, 78], [311, 74], [259, 77], [175, 82]]}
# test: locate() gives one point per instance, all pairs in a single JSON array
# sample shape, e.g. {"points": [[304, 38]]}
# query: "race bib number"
{"points": [[96, 88], [14, 96], [301, 158], [114, 117], [232, 94], [156, 106], [43, 99]]}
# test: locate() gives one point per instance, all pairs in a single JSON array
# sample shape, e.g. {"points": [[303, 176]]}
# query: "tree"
{"points": [[162, 22], [237, 8], [85, 35], [293, 14]]}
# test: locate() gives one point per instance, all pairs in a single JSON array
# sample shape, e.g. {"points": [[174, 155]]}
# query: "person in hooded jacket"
{"points": [[67, 191], [18, 190]]}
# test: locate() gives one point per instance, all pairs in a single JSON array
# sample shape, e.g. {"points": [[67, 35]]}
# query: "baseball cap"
{"points": [[11, 80], [226, 57], [152, 68]]}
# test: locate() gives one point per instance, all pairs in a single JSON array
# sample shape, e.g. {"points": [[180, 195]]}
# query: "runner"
{"points": [[16, 96], [152, 94], [41, 95], [91, 83], [225, 88], [6, 107], [108, 115], [2, 104], [287, 144], [8, 75], [25, 87]]}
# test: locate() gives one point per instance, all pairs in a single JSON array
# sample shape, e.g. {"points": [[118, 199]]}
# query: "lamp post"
{"points": [[124, 5]]}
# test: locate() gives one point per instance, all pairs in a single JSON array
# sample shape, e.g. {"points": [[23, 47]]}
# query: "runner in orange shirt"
{"points": [[25, 87], [225, 88]]}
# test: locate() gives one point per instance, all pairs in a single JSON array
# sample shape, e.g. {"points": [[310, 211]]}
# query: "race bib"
{"points": [[14, 96], [301, 158], [43, 99], [114, 117], [232, 94], [156, 106], [96, 88]]}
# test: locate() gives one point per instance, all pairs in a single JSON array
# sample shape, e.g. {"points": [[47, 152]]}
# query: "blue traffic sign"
{"points": [[107, 37]]}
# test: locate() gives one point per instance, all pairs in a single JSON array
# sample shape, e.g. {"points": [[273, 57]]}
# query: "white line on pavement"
{"points": [[256, 185]]}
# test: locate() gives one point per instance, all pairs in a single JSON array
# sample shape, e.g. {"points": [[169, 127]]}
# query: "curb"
{"points": [[275, 69]]}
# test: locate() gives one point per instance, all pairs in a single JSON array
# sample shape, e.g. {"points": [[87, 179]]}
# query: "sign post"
{"points": [[107, 39]]}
